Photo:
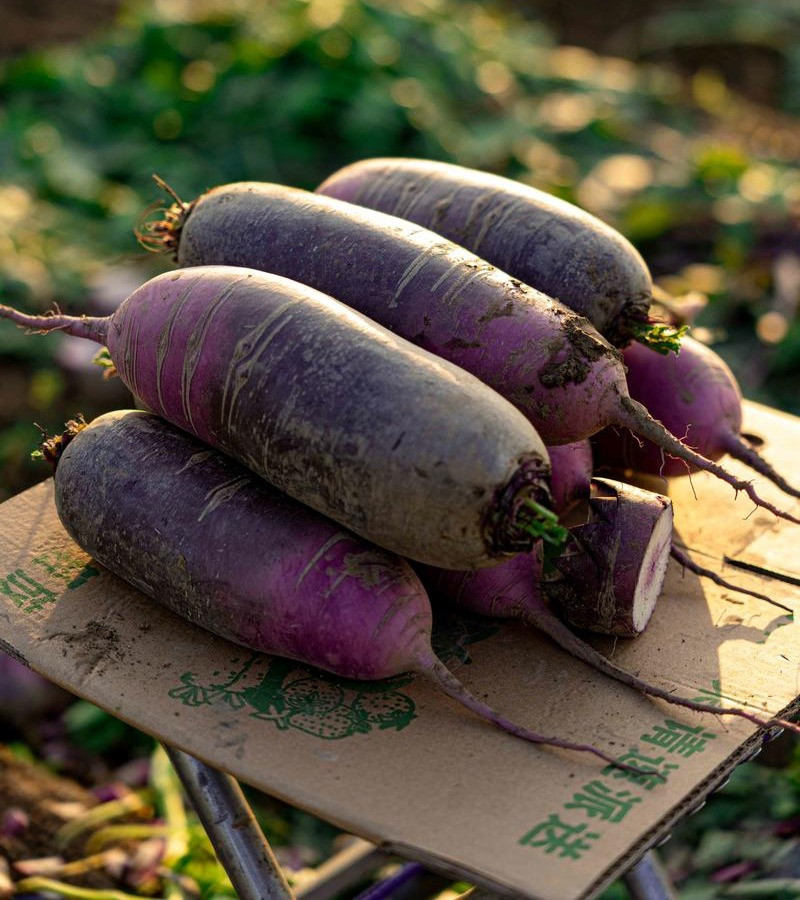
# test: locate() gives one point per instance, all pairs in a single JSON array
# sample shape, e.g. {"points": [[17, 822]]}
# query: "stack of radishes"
{"points": [[384, 398]]}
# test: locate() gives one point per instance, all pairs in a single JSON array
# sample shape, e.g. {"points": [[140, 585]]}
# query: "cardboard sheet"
{"points": [[408, 768]]}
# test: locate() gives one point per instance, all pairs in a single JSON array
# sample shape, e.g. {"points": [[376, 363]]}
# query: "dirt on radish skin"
{"points": [[414, 282], [167, 514], [545, 359], [397, 445]]}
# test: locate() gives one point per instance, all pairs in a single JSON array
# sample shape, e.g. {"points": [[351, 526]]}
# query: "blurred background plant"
{"points": [[676, 122]]}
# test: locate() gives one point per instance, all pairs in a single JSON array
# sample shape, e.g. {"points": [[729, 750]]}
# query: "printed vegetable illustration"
{"points": [[551, 363], [394, 443], [386, 710]]}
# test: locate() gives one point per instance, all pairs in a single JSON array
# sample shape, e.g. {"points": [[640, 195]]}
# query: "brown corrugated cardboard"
{"points": [[408, 768]]}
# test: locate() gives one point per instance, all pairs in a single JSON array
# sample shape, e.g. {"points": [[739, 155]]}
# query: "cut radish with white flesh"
{"points": [[615, 594]]}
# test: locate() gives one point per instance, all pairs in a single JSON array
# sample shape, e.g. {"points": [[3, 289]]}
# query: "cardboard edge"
{"points": [[6, 648], [653, 838], [457, 871], [692, 803]]}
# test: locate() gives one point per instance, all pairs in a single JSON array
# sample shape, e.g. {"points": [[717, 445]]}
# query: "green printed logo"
{"points": [[29, 594], [565, 840], [655, 764], [674, 737], [600, 800], [713, 695], [65, 566], [25, 593], [290, 695]]}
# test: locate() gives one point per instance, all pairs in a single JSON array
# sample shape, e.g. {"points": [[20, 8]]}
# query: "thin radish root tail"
{"points": [[92, 328], [634, 416], [545, 620], [688, 563], [738, 449], [440, 675]]}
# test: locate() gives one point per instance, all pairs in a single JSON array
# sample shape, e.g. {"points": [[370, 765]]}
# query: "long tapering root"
{"points": [[545, 620], [443, 678], [636, 417], [688, 563], [92, 328], [738, 449]]}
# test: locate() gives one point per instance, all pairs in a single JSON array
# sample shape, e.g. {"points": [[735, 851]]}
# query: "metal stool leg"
{"points": [[647, 880], [232, 829]]}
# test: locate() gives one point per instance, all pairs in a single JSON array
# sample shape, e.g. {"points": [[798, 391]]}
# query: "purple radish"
{"points": [[570, 474], [550, 244], [570, 482], [609, 524], [392, 442], [696, 396], [548, 361], [26, 696], [168, 514]]}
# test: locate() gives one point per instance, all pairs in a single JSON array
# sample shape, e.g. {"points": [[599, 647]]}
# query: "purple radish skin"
{"points": [[514, 590], [695, 395], [571, 468], [26, 696], [613, 571]]}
